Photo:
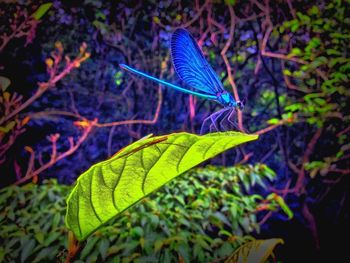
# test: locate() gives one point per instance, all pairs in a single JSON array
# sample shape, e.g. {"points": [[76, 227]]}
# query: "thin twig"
{"points": [[228, 66], [57, 157]]}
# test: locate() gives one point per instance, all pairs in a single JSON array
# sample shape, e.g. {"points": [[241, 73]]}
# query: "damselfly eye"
{"points": [[240, 105]]}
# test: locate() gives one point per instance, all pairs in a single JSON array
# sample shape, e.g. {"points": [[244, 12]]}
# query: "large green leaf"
{"points": [[256, 251], [110, 187]]}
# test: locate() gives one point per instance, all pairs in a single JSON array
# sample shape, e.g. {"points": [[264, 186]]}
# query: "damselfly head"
{"points": [[240, 105]]}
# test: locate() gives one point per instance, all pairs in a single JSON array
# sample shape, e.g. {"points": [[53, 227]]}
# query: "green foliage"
{"points": [[110, 187], [321, 42], [200, 216], [257, 251], [32, 223]]}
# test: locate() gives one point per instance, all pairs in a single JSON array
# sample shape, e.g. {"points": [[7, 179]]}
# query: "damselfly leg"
{"points": [[215, 124], [213, 121], [227, 124], [220, 121]]}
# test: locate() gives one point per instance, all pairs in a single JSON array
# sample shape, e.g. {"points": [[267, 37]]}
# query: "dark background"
{"points": [[303, 91]]}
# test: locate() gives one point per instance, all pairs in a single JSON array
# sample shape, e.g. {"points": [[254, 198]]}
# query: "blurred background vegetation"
{"points": [[65, 105]]}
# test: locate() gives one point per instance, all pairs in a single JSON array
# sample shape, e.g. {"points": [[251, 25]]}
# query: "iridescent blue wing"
{"points": [[190, 64]]}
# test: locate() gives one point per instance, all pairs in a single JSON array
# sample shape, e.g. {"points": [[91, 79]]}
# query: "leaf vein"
{"points": [[78, 221], [206, 150], [91, 195], [147, 173], [181, 158], [116, 183]]}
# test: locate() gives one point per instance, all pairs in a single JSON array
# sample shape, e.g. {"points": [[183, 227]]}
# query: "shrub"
{"points": [[197, 217]]}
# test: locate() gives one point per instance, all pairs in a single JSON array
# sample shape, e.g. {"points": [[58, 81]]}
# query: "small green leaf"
{"points": [[158, 245], [313, 10], [331, 52], [56, 220], [156, 19], [320, 101], [53, 236], [284, 206], [180, 199], [4, 83], [110, 187], [89, 247], [280, 201], [103, 248], [222, 218], [184, 252], [137, 232], [230, 2], [287, 72], [294, 27], [2, 254], [198, 252], [225, 250], [9, 126], [273, 121], [295, 51], [27, 250], [256, 251], [233, 210], [41, 11], [40, 237], [45, 254]]}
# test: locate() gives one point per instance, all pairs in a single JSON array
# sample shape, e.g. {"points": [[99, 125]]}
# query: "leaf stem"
{"points": [[73, 247]]}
